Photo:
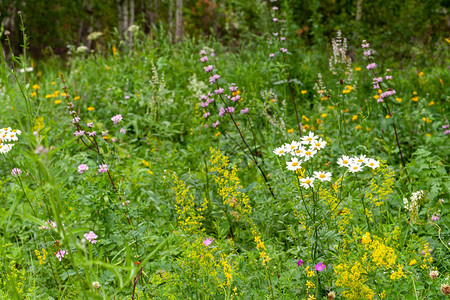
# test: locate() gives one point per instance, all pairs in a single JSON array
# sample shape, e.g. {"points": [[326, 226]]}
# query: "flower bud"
{"points": [[331, 295], [434, 274], [445, 289]]}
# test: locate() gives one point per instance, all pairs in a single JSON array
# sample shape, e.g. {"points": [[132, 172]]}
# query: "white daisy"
{"points": [[280, 151], [372, 163], [292, 146], [318, 144], [344, 161], [309, 138], [361, 159], [308, 154], [299, 151], [322, 176], [5, 148], [355, 167], [294, 164], [307, 182]]}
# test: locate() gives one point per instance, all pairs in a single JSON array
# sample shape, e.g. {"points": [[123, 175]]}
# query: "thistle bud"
{"points": [[445, 289]]}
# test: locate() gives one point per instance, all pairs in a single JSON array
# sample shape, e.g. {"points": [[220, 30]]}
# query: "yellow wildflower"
{"points": [[358, 69], [431, 103], [304, 92], [388, 116], [355, 117], [412, 262], [33, 93], [398, 100], [36, 86], [76, 98], [305, 118], [90, 108], [323, 98], [415, 99], [323, 115], [357, 127], [57, 101], [420, 74], [290, 130], [48, 96]]}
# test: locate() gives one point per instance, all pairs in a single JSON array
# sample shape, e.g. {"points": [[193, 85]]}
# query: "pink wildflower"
{"points": [[208, 242], [91, 237], [116, 119], [103, 168], [82, 168]]}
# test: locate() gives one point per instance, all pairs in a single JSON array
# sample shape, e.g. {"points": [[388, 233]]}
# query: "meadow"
{"points": [[261, 169]]}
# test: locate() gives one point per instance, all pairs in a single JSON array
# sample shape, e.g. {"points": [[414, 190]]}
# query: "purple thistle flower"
{"points": [[320, 267], [82, 168]]}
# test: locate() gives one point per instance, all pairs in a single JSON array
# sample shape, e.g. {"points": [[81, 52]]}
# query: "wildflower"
{"points": [[218, 91], [320, 267], [434, 274], [372, 163], [93, 133], [122, 130], [82, 168], [331, 295], [91, 237], [280, 151], [322, 176], [230, 109], [96, 285], [304, 92], [103, 168], [355, 167], [371, 66], [202, 52], [284, 50], [16, 171], [364, 45], [215, 124], [206, 114], [283, 38], [388, 77], [208, 68], [294, 164], [208, 242], [213, 78], [275, 8], [367, 53], [355, 117], [204, 59], [275, 19], [60, 254], [412, 262], [271, 55], [308, 154], [90, 108], [57, 101], [307, 182], [244, 111], [357, 69], [76, 120], [445, 289], [300, 262], [116, 119], [344, 161], [435, 217], [415, 99], [309, 138]]}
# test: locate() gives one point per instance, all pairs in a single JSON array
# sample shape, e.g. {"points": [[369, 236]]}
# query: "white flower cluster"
{"points": [[356, 164], [301, 152], [8, 135], [413, 203]]}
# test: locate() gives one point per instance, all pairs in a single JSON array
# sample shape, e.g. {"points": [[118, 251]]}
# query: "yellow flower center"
{"points": [[309, 139], [360, 160], [294, 164], [345, 162], [355, 168], [308, 181], [318, 144], [308, 153], [322, 176], [281, 151]]}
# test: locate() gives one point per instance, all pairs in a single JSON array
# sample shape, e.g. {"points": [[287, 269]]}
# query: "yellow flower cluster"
{"points": [[42, 257], [353, 278], [381, 185], [229, 188], [189, 217]]}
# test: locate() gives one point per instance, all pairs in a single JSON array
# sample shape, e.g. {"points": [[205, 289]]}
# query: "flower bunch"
{"points": [[302, 151], [357, 164], [8, 135]]}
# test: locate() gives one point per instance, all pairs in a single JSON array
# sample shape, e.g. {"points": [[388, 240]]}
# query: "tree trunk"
{"points": [[359, 10], [120, 18], [178, 20], [170, 20], [131, 21]]}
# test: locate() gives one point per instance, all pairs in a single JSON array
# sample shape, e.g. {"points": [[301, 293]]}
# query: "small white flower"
{"points": [[344, 161], [96, 285], [292, 146], [319, 144], [280, 151], [300, 151], [294, 164], [309, 154], [322, 176], [5, 148], [307, 182], [372, 163], [309, 138], [361, 159], [355, 167]]}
